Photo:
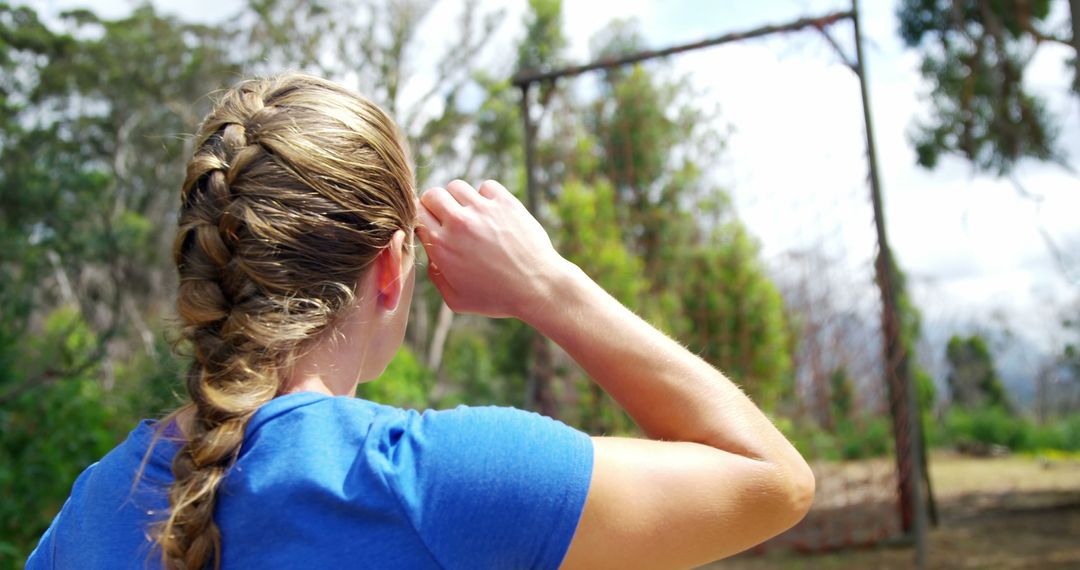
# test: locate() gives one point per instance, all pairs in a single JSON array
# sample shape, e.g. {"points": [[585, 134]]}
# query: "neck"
{"points": [[318, 383], [336, 362], [331, 373]]}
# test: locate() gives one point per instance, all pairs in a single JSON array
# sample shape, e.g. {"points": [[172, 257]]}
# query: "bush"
{"points": [[871, 437], [404, 383], [860, 438], [50, 432], [988, 426], [996, 426]]}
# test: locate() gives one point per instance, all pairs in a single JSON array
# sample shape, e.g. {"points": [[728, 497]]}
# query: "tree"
{"points": [[841, 395], [87, 173], [91, 116], [736, 314], [51, 434], [542, 47], [636, 145], [974, 54], [588, 234], [652, 137], [973, 380]]}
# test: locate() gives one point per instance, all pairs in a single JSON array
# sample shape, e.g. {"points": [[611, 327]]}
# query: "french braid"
{"points": [[295, 186]]}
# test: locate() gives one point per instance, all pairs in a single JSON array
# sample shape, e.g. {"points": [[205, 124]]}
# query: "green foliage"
{"points": [[484, 364], [852, 439], [736, 314], [148, 383], [637, 133], [974, 55], [49, 434], [869, 438], [588, 234], [92, 151], [921, 18], [88, 150], [841, 394], [86, 164], [925, 391], [987, 426], [404, 383], [630, 204], [499, 138], [995, 426], [973, 379], [544, 40], [471, 368]]}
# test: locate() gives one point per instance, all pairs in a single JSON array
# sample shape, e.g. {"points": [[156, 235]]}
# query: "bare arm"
{"points": [[716, 477]]}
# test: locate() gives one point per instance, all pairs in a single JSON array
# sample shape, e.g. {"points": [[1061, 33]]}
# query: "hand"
{"points": [[487, 255]]}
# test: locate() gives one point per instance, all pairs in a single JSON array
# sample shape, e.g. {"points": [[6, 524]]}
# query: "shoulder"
{"points": [[325, 416], [484, 430], [459, 480], [315, 436], [516, 457], [518, 479]]}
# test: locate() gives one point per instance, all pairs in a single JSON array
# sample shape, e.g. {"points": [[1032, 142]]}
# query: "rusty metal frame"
{"points": [[903, 403]]}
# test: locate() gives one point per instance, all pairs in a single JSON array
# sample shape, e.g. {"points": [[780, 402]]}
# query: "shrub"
{"points": [[49, 433], [996, 426], [405, 383], [861, 438], [871, 437]]}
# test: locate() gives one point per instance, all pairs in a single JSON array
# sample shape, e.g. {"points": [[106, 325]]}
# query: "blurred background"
{"points": [[722, 192]]}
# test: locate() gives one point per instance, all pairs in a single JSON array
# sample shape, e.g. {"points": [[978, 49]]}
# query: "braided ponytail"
{"points": [[295, 186]]}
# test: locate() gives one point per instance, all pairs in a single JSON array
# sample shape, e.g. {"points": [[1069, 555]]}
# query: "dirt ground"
{"points": [[1002, 513]]}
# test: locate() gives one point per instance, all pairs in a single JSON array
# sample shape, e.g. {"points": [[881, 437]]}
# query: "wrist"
{"points": [[554, 289]]}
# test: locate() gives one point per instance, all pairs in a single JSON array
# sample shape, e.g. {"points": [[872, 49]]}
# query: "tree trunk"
{"points": [[541, 394], [438, 340]]}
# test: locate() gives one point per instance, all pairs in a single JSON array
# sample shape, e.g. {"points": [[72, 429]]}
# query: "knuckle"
{"points": [[452, 222], [429, 195], [458, 182], [460, 220], [428, 237], [493, 189]]}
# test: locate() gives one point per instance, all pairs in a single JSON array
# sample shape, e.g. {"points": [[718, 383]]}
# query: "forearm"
{"points": [[724, 480], [671, 393]]}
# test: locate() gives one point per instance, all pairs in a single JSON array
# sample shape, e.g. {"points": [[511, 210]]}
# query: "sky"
{"points": [[971, 245]]}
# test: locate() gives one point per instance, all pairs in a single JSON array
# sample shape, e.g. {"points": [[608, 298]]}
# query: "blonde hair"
{"points": [[295, 186]]}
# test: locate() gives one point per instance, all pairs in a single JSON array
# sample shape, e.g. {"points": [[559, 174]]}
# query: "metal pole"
{"points": [[1074, 8], [538, 396], [529, 76], [902, 398], [530, 152]]}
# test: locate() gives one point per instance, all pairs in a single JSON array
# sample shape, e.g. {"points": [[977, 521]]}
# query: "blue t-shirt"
{"points": [[336, 482]]}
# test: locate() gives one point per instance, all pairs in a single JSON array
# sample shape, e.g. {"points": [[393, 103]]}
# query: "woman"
{"points": [[295, 255]]}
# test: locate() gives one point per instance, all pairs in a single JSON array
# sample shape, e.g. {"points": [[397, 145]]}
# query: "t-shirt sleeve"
{"points": [[489, 487]]}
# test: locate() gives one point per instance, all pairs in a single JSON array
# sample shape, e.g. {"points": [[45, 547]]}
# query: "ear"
{"points": [[391, 271]]}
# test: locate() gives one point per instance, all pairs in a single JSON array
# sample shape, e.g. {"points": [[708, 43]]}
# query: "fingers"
{"points": [[440, 203], [463, 193], [439, 279], [427, 230], [427, 227], [491, 189], [428, 221]]}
